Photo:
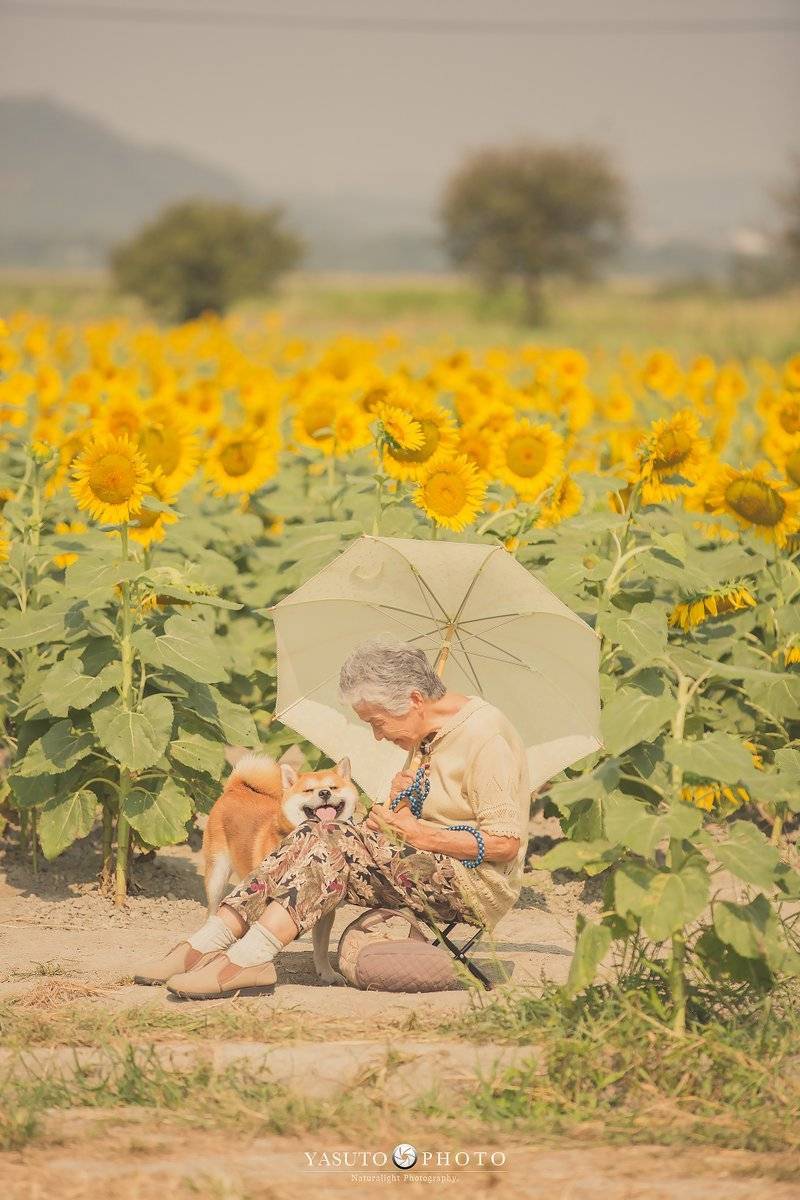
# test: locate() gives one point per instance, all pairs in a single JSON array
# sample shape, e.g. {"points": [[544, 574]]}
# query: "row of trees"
{"points": [[521, 214]]}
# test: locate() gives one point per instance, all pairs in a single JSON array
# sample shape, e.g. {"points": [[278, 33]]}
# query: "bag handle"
{"points": [[379, 916]]}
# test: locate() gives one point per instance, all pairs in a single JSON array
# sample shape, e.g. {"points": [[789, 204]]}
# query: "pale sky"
{"points": [[332, 112]]}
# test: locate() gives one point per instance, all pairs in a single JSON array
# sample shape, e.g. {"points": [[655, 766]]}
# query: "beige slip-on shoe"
{"points": [[182, 957], [223, 978]]}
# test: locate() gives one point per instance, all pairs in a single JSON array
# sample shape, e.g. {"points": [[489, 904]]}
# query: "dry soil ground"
{"points": [[61, 941]]}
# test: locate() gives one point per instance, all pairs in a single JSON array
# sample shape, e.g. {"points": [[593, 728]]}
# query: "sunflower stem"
{"points": [[123, 828], [23, 831], [678, 723], [123, 844], [34, 845], [376, 520], [106, 870], [677, 976], [677, 983]]}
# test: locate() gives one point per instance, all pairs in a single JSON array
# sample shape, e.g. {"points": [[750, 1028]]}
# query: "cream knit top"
{"points": [[479, 776]]}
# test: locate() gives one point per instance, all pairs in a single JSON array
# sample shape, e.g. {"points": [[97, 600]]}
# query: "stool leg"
{"points": [[459, 952]]}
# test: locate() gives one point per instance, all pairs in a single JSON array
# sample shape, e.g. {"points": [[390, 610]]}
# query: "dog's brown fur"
{"points": [[245, 824], [261, 802]]}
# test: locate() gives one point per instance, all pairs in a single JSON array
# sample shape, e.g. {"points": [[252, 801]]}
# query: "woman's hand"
{"points": [[403, 820], [401, 781]]}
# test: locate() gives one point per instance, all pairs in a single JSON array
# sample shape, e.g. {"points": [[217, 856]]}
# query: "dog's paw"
{"points": [[332, 978]]}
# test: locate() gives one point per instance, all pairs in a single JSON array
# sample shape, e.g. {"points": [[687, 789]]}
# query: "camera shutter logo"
{"points": [[404, 1156]]}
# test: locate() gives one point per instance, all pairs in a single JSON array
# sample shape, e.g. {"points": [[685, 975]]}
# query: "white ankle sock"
{"points": [[258, 946], [214, 935]]}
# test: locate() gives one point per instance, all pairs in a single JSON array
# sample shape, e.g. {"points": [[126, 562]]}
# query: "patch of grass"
{"points": [[239, 1096], [605, 1067], [49, 968], [19, 1123], [449, 311], [30, 1020], [609, 1066]]}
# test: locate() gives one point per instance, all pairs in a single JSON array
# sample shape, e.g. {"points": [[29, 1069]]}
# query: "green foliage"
{"points": [[201, 256], [678, 708]]}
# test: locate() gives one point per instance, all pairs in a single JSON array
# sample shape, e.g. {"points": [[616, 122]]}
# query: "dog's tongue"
{"points": [[326, 813]]}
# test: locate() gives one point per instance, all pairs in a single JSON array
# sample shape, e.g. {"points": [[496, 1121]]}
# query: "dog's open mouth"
{"points": [[325, 812]]}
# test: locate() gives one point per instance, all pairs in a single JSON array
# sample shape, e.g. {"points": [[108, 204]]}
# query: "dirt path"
{"points": [[58, 933], [121, 1154], [59, 918]]}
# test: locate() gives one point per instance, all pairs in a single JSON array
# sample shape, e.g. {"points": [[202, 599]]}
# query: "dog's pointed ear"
{"points": [[343, 767], [289, 776]]}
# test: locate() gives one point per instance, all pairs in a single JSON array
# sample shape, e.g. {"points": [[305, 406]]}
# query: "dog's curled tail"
{"points": [[258, 771]]}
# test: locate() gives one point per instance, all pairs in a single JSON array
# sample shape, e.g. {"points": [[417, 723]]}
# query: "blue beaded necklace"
{"points": [[417, 792]]}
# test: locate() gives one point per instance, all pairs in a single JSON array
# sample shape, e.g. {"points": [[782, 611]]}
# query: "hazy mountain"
{"points": [[69, 185]]}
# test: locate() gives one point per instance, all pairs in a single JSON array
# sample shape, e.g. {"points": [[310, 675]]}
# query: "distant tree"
{"points": [[530, 211], [200, 255], [787, 197]]}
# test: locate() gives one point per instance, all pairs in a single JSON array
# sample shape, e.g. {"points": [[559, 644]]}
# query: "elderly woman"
{"points": [[478, 780]]}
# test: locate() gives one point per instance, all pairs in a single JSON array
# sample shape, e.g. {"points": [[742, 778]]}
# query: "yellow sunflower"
{"points": [[791, 373], [240, 461], [110, 479], [695, 499], [474, 442], [673, 446], [783, 418], [755, 754], [661, 373], [726, 599], [399, 426], [564, 500], [5, 544], [316, 412], [439, 439], [149, 526], [170, 448], [527, 456], [712, 796], [69, 448], [350, 429], [122, 413], [756, 502], [451, 492]]}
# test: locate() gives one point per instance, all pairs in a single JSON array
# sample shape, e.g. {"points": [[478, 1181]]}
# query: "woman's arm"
{"points": [[455, 842], [461, 844]]}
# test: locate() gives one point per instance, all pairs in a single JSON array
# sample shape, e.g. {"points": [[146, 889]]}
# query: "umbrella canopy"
{"points": [[495, 629]]}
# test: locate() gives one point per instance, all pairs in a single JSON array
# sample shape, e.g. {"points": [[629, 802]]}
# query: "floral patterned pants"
{"points": [[320, 865]]}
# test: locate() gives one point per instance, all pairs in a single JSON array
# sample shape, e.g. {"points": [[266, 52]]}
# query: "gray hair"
{"points": [[385, 671]]}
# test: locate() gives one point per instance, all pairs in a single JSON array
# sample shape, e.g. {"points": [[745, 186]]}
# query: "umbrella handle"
{"points": [[438, 666]]}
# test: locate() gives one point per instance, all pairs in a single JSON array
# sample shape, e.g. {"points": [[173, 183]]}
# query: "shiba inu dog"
{"points": [[261, 802]]}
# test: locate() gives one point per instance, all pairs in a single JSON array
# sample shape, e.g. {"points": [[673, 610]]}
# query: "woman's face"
{"points": [[404, 730]]}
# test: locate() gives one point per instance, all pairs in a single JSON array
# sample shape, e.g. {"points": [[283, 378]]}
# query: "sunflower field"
{"points": [[160, 488]]}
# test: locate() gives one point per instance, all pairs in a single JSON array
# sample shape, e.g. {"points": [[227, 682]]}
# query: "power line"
{"points": [[596, 27]]}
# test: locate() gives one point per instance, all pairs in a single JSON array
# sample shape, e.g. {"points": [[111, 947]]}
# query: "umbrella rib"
{"points": [[423, 584], [531, 613], [468, 661], [420, 581], [474, 581], [280, 715]]}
